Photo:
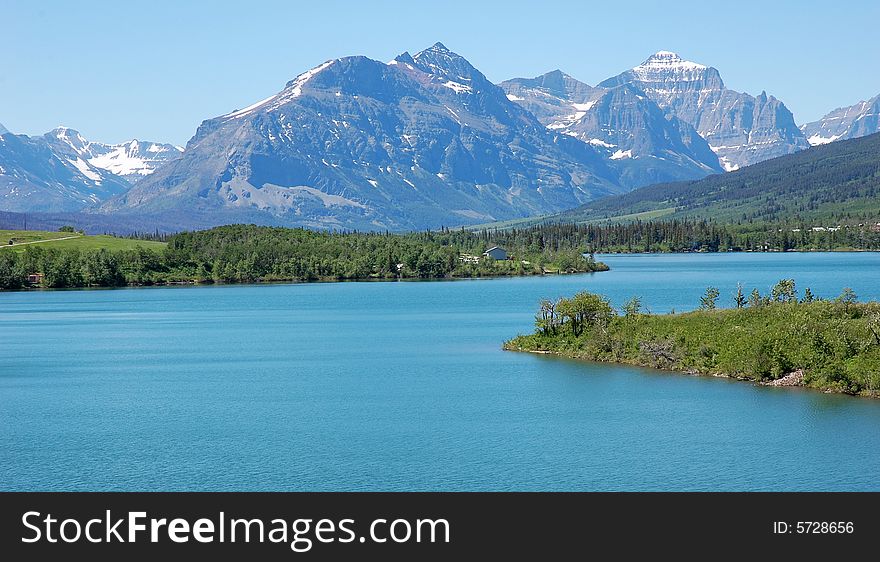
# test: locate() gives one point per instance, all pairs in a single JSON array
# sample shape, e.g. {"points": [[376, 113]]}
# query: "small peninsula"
{"points": [[776, 339]]}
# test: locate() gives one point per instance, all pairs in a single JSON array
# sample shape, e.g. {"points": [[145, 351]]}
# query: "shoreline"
{"points": [[810, 251], [211, 283], [777, 383]]}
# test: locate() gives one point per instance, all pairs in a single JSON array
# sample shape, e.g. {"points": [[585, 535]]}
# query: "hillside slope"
{"points": [[839, 181]]}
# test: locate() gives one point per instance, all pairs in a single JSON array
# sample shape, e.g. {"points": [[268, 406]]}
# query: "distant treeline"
{"points": [[247, 253], [688, 236]]}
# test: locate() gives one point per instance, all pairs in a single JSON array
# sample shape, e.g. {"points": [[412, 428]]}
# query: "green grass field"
{"points": [[643, 216], [21, 236], [27, 238]]}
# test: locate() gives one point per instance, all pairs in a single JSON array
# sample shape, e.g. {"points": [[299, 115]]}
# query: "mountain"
{"points": [[62, 172], [131, 160], [419, 142], [839, 181], [551, 97], [34, 178], [850, 122], [740, 128], [629, 129]]}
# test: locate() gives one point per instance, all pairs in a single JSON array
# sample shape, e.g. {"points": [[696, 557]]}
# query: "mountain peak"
{"points": [[556, 75], [437, 51], [70, 136], [665, 67], [668, 59], [439, 61], [3, 130], [404, 57], [62, 130], [559, 83]]}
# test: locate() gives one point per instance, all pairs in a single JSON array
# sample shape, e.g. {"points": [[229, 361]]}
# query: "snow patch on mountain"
{"points": [[663, 63], [850, 122], [458, 88], [84, 169], [132, 159], [292, 91], [252, 107], [600, 142], [727, 164], [818, 139], [584, 106]]}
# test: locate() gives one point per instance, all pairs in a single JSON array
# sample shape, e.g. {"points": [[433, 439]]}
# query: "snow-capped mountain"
{"points": [[131, 160], [62, 171], [421, 141], [850, 122], [740, 128], [622, 123], [33, 177]]}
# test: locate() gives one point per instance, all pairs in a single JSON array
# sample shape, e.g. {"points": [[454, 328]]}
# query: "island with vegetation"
{"points": [[775, 339], [249, 254]]}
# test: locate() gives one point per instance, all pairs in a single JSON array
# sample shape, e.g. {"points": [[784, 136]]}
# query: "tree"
{"points": [[632, 307], [847, 298], [11, 276], [784, 291], [739, 298], [547, 320], [708, 300], [874, 325], [755, 299], [584, 309], [66, 228], [808, 296]]}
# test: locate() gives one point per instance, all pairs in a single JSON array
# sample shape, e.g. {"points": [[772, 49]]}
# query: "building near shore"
{"points": [[495, 253]]}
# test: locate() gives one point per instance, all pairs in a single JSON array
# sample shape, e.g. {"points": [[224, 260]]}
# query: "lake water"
{"points": [[403, 386]]}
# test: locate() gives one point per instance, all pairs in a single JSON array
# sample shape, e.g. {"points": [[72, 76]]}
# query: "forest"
{"points": [[248, 253], [690, 235], [779, 338]]}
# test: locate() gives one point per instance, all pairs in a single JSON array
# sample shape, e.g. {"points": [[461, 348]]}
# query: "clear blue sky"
{"points": [[154, 70]]}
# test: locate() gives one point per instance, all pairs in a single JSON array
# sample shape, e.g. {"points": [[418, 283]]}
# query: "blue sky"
{"points": [[155, 70]]}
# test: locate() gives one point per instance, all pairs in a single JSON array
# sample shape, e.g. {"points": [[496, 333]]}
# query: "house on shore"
{"points": [[496, 253], [35, 279]]}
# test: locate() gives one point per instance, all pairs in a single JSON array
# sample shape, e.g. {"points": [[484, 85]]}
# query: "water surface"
{"points": [[403, 386]]}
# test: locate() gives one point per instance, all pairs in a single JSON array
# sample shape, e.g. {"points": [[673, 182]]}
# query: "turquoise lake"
{"points": [[404, 386]]}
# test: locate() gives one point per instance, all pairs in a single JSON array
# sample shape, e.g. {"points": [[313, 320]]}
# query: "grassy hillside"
{"points": [[103, 241], [837, 182], [23, 239], [28, 236]]}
